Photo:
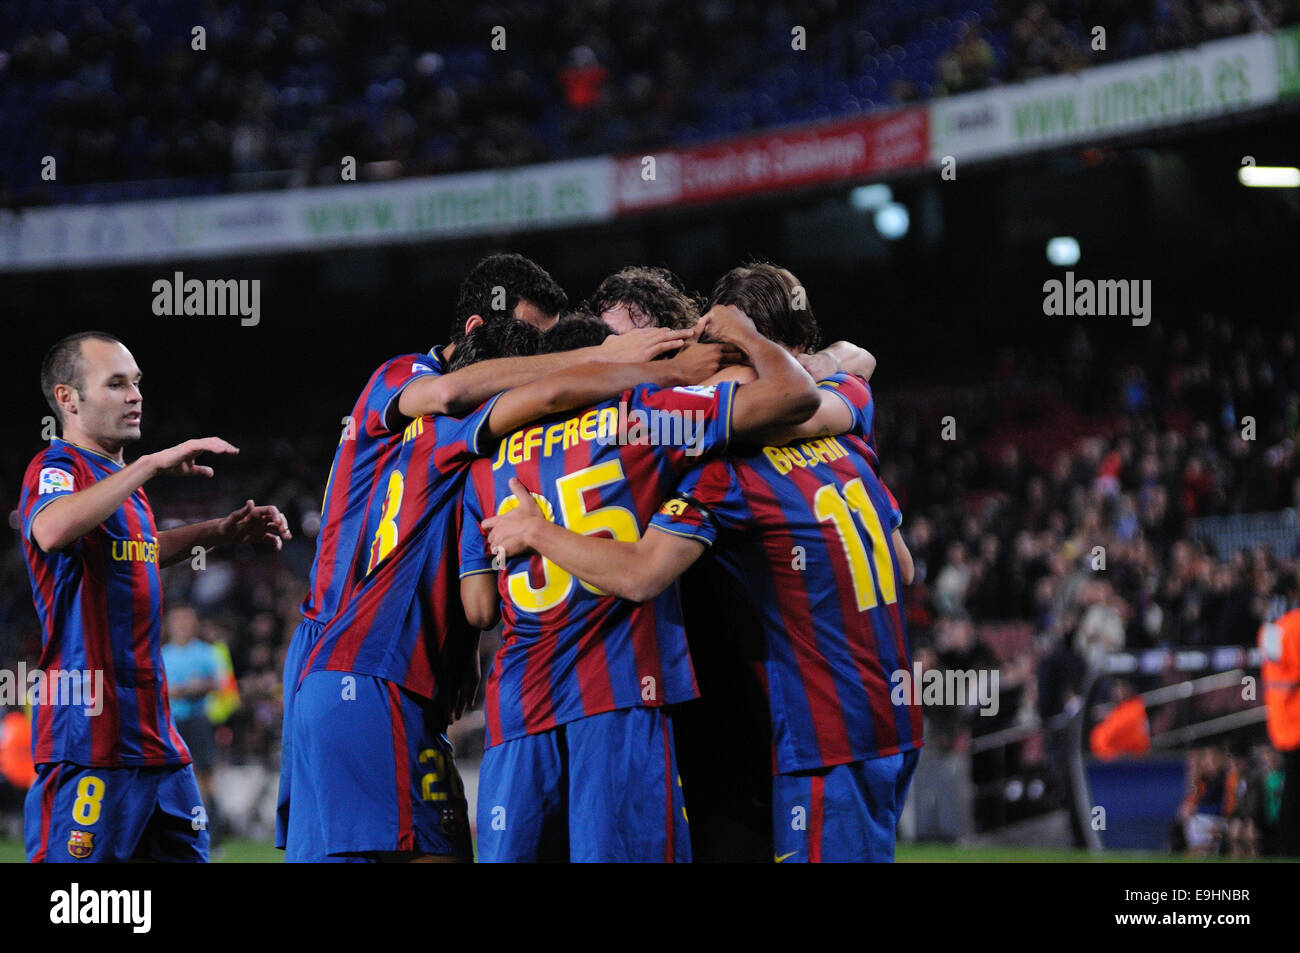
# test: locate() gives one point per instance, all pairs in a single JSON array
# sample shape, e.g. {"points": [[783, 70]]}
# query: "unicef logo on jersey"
{"points": [[134, 550]]}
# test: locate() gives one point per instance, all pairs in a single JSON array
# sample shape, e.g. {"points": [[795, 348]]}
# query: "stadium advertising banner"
{"points": [[1288, 62], [1186, 85], [771, 162], [541, 196]]}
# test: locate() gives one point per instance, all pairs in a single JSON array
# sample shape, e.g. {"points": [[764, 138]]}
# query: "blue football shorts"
{"points": [[373, 774], [604, 788], [300, 646], [75, 814], [845, 814]]}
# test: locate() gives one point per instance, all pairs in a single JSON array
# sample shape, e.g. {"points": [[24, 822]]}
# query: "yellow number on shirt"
{"points": [[882, 552], [618, 521], [556, 583], [828, 504], [386, 535], [86, 808]]}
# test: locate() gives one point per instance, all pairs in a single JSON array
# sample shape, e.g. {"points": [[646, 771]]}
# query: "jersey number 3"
{"points": [[386, 536]]}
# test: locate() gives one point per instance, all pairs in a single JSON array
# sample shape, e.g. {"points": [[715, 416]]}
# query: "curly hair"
{"points": [[656, 293], [519, 277], [774, 300]]}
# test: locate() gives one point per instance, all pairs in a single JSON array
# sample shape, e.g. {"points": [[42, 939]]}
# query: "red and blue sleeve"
{"points": [[58, 474], [474, 554], [387, 385], [463, 439], [857, 395], [707, 408], [708, 500]]}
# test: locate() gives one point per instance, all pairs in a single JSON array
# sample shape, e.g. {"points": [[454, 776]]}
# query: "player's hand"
{"points": [[506, 532], [463, 698], [698, 362], [179, 460], [726, 323], [642, 344], [255, 524]]}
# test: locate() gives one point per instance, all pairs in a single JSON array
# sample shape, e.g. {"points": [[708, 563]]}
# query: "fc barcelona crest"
{"points": [[81, 844]]}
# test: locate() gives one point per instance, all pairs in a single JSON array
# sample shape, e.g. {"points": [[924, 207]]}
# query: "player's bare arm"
{"points": [[66, 520], [250, 523], [478, 594], [783, 393], [832, 416], [461, 391], [634, 571], [457, 691], [591, 383], [840, 356], [906, 568], [831, 419], [637, 571]]}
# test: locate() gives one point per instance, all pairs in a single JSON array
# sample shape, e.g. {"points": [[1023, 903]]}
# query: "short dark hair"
{"points": [[520, 277], [574, 330], [656, 292], [766, 292], [63, 365], [497, 337]]}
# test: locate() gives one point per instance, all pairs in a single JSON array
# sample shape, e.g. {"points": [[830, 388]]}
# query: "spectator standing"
{"points": [[193, 672]]}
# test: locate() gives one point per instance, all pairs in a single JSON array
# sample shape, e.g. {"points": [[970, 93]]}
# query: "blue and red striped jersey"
{"points": [[805, 530], [569, 650], [100, 606], [356, 489], [396, 621], [855, 392]]}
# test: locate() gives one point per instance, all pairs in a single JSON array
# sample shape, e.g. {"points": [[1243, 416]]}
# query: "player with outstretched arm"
{"points": [[114, 779]]}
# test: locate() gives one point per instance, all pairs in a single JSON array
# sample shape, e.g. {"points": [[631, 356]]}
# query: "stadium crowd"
{"points": [[284, 88], [996, 537]]}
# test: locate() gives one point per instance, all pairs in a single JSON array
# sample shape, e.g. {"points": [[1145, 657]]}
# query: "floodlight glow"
{"points": [[864, 198], [892, 221], [1269, 176], [1063, 251]]}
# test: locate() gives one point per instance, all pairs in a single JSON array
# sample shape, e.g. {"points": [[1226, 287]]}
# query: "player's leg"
{"points": [[523, 800], [625, 793], [75, 814], [178, 830], [304, 637]]}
